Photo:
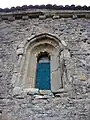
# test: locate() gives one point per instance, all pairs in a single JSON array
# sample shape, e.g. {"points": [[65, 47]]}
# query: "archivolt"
{"points": [[40, 39], [35, 45]]}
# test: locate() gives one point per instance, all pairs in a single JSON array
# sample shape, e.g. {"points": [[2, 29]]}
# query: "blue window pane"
{"points": [[43, 75]]}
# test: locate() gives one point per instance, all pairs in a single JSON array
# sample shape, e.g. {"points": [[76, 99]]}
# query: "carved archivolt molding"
{"points": [[28, 51]]}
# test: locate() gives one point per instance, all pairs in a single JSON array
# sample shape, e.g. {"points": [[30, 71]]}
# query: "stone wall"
{"points": [[73, 104]]}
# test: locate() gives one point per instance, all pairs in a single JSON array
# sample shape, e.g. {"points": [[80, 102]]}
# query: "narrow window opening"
{"points": [[43, 71]]}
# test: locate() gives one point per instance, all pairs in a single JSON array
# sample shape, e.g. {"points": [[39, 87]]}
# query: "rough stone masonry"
{"points": [[70, 103]]}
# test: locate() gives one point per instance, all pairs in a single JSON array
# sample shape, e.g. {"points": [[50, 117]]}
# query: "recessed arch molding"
{"points": [[27, 62]]}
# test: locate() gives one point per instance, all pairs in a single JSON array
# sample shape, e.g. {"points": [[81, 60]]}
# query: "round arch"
{"points": [[34, 47]]}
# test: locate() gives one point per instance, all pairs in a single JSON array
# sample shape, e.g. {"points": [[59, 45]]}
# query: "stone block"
{"points": [[88, 41], [54, 63], [32, 36], [25, 17], [5, 17], [42, 17], [20, 51], [87, 15], [11, 18], [38, 96], [42, 96], [83, 77], [22, 44], [45, 92], [56, 17], [74, 17], [56, 83], [63, 42], [61, 90], [31, 91], [0, 19], [66, 54], [17, 91]]}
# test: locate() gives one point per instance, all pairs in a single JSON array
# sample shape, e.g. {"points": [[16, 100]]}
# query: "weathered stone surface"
{"points": [[45, 92], [25, 17], [17, 91], [63, 42], [75, 17], [68, 104], [56, 17], [0, 19], [20, 51], [31, 91], [11, 18], [42, 17]]}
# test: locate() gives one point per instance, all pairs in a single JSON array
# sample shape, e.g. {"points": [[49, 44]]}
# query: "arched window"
{"points": [[43, 72], [40, 63]]}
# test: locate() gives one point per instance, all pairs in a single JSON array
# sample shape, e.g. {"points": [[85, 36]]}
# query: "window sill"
{"points": [[35, 91]]}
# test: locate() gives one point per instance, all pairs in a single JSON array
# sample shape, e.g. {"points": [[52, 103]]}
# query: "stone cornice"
{"points": [[44, 14]]}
